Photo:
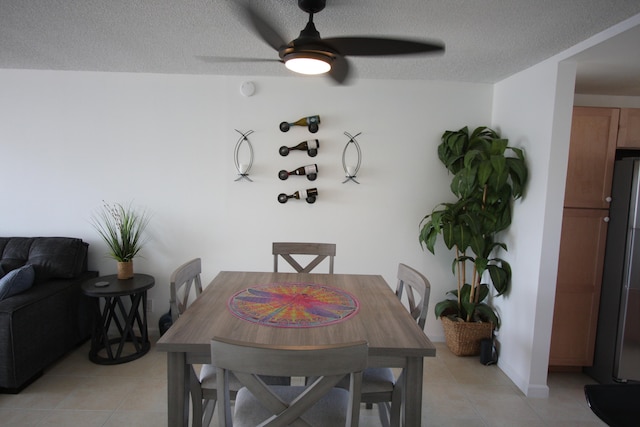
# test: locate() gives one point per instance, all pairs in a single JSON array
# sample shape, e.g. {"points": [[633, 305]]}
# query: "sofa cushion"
{"points": [[51, 257], [16, 281], [15, 252], [57, 257]]}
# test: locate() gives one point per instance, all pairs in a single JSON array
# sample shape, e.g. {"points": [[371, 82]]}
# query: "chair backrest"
{"points": [[183, 280], [417, 289], [287, 249], [328, 364]]}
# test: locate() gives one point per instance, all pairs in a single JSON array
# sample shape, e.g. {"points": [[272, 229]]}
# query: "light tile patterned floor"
{"points": [[457, 392]]}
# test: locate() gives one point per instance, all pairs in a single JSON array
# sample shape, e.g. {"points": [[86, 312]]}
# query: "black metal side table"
{"points": [[125, 317]]}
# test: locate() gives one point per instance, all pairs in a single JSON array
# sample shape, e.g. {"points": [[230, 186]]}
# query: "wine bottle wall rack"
{"points": [[310, 171], [310, 195], [351, 171], [311, 122], [243, 168]]}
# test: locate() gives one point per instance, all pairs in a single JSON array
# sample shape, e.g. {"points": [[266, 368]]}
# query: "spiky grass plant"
{"points": [[122, 229]]}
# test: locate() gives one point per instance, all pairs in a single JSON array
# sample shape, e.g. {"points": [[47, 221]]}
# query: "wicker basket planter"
{"points": [[463, 338]]}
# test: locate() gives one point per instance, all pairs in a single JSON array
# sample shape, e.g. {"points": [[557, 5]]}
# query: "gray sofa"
{"points": [[40, 324]]}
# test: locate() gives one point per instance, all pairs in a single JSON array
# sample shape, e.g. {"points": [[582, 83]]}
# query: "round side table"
{"points": [[113, 310]]}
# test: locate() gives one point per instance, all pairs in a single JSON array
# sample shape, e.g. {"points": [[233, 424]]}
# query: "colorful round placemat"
{"points": [[293, 305]]}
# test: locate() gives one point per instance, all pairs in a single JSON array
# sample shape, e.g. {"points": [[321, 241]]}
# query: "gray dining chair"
{"points": [[186, 285], [318, 403], [379, 385], [286, 250]]}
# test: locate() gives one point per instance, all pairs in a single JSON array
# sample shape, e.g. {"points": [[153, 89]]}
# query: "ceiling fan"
{"points": [[311, 54]]}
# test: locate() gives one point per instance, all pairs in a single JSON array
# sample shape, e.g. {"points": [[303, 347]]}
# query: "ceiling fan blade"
{"points": [[378, 46], [232, 59], [340, 70], [263, 27]]}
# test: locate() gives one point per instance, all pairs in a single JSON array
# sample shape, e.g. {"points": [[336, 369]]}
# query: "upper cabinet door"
{"points": [[629, 131], [592, 151]]}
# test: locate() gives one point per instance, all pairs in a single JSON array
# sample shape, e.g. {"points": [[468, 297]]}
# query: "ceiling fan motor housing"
{"points": [[312, 6]]}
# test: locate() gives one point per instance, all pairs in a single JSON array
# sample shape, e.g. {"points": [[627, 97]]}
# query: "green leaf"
{"points": [[487, 314], [499, 146], [500, 273], [518, 174], [446, 307], [468, 308], [485, 169], [483, 291]]}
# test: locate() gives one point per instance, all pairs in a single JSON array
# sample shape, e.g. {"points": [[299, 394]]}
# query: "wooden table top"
{"points": [[382, 320], [117, 287]]}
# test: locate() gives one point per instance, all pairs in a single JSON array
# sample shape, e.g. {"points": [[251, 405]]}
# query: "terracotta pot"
{"points": [[125, 270]]}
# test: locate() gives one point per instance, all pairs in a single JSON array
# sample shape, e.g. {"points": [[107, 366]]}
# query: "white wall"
{"points": [[535, 107], [69, 140]]}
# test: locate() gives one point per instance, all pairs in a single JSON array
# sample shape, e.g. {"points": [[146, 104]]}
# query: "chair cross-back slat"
{"points": [[287, 249], [182, 280], [417, 289], [275, 406]]}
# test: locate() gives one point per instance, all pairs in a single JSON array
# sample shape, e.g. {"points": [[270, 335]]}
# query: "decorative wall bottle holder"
{"points": [[243, 168], [310, 195], [311, 171], [311, 122], [311, 147], [350, 170]]}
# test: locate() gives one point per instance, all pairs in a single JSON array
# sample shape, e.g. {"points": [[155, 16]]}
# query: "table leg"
{"points": [[177, 389], [413, 392]]}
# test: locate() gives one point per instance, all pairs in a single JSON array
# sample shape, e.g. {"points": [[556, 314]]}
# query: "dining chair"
{"points": [[379, 385], [185, 283], [287, 249], [318, 403]]}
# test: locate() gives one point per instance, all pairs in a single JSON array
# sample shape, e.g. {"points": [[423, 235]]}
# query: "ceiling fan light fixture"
{"points": [[308, 63]]}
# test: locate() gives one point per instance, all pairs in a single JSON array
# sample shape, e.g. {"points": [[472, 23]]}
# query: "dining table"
{"points": [[394, 338]]}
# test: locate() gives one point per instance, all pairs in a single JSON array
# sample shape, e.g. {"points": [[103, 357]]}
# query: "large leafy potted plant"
{"points": [[488, 176], [122, 227]]}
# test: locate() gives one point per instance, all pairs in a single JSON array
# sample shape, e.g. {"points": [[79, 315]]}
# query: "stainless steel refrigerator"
{"points": [[617, 351]]}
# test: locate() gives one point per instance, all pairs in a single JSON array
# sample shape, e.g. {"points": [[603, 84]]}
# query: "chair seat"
{"points": [[374, 380], [208, 381], [331, 410], [378, 380]]}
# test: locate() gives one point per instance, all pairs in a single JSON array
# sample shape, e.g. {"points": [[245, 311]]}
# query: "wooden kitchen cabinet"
{"points": [[592, 151], [594, 133], [582, 246], [629, 129]]}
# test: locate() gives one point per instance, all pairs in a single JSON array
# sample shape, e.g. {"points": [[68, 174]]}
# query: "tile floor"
{"points": [[457, 392]]}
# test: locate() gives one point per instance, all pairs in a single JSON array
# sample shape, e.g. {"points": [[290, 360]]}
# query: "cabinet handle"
{"points": [[606, 219], [608, 199]]}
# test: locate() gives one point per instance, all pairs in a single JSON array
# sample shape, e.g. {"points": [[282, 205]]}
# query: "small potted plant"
{"points": [[122, 228], [488, 176]]}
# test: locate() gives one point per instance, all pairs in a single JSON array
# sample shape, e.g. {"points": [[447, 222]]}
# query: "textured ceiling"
{"points": [[486, 40]]}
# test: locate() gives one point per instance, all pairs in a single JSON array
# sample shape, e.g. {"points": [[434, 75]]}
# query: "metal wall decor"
{"points": [[243, 168], [309, 195], [311, 122], [311, 147], [351, 171], [311, 171]]}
